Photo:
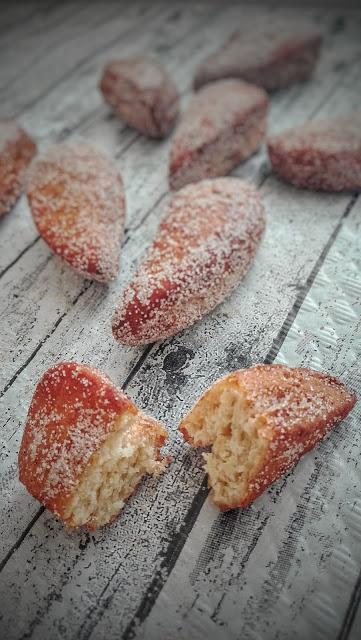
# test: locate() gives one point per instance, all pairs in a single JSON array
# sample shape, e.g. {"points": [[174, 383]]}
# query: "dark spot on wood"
{"points": [[176, 360], [162, 48], [338, 24], [265, 170], [64, 133], [339, 65], [174, 16], [235, 359], [174, 364], [84, 541]]}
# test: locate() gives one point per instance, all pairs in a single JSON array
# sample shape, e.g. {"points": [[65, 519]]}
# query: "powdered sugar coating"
{"points": [[77, 201], [73, 409], [17, 150], [297, 400], [297, 406], [142, 93], [272, 56], [323, 154], [202, 249], [220, 113]]}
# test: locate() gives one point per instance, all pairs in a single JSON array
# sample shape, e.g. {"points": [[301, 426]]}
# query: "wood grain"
{"points": [[61, 585]]}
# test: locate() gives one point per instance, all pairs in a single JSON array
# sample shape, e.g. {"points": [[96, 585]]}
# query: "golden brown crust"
{"points": [[320, 155], [224, 123], [203, 248], [297, 408], [77, 201], [270, 58], [73, 411], [142, 93]]}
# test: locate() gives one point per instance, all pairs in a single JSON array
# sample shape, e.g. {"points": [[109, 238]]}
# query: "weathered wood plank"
{"points": [[19, 15], [151, 516], [185, 366], [141, 180], [48, 29], [62, 60], [239, 332], [289, 561], [352, 624], [82, 597]]}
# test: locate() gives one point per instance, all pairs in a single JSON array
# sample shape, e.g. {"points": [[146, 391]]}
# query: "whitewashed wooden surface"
{"points": [[171, 566]]}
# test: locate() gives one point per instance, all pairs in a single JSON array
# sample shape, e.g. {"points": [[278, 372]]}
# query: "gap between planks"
{"points": [[48, 29], [352, 609], [41, 8]]}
